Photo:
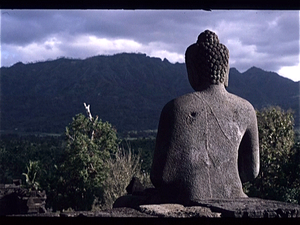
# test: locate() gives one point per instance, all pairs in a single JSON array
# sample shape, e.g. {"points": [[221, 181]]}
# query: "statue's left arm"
{"points": [[162, 145], [248, 156]]}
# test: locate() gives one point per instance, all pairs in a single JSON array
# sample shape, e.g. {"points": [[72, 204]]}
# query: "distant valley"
{"points": [[128, 90]]}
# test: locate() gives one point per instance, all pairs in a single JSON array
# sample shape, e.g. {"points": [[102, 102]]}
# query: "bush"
{"points": [[90, 143], [277, 156], [144, 147], [122, 168]]}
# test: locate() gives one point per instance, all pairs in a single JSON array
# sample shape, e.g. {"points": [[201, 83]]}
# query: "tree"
{"points": [[276, 139], [90, 143], [33, 172]]}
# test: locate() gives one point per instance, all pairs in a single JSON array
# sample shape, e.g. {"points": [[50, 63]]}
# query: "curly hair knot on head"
{"points": [[209, 58]]}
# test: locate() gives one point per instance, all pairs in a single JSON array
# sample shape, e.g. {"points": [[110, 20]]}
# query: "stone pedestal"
{"points": [[210, 208], [252, 208]]}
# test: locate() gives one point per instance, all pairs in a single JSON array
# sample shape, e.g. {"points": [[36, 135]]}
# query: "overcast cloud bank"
{"points": [[265, 39]]}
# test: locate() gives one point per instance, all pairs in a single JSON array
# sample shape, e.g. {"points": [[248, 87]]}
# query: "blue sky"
{"points": [[265, 39]]}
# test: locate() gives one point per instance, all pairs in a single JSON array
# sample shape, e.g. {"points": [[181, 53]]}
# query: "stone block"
{"points": [[178, 211]]}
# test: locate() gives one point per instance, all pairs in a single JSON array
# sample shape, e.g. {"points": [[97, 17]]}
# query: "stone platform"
{"points": [[226, 208], [213, 208], [252, 208]]}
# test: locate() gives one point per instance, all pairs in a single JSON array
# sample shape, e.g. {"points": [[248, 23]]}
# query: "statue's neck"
{"points": [[212, 88]]}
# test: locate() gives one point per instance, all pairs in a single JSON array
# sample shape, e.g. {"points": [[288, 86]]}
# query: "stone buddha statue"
{"points": [[207, 141]]}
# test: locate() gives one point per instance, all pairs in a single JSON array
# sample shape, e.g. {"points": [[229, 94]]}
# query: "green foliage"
{"points": [[32, 175], [36, 158], [67, 169], [88, 170], [17, 151], [278, 164], [90, 143], [292, 170], [142, 147], [122, 167]]}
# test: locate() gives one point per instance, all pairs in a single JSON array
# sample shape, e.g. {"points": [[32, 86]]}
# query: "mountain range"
{"points": [[128, 90]]}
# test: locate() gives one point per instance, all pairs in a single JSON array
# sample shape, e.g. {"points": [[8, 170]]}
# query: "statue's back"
{"points": [[197, 144]]}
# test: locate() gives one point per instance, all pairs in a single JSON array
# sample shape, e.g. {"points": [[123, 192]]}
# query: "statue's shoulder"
{"points": [[239, 100], [241, 105], [180, 101]]}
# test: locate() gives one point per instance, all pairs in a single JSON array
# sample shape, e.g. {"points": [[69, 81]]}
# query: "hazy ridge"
{"points": [[128, 90]]}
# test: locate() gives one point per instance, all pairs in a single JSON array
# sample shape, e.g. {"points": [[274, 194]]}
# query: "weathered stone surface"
{"points": [[112, 213], [207, 141], [131, 201], [36, 201], [213, 208], [134, 186], [148, 196], [251, 208], [150, 203], [115, 213], [178, 211], [17, 200]]}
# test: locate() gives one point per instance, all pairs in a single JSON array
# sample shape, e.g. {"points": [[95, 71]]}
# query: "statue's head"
{"points": [[207, 61]]}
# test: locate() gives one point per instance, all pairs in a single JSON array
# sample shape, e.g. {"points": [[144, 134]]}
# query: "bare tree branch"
{"points": [[88, 112]]}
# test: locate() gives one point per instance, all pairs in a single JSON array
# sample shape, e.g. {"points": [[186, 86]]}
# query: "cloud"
{"points": [[291, 72], [266, 39], [87, 45], [31, 53], [242, 55]]}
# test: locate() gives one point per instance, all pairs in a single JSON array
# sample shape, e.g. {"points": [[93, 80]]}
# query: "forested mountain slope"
{"points": [[128, 90]]}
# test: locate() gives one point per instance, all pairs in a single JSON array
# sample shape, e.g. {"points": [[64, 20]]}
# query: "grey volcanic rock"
{"points": [[134, 186], [207, 141], [14, 199], [210, 208], [200, 143], [178, 211], [251, 208], [112, 213]]}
